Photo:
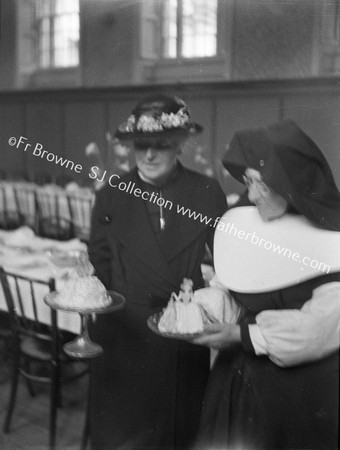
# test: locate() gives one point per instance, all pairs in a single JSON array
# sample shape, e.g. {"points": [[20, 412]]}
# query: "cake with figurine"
{"points": [[187, 312]]}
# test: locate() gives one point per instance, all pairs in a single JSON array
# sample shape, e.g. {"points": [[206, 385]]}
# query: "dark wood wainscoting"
{"points": [[65, 121]]}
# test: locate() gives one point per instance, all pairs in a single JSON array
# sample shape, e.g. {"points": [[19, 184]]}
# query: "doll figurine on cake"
{"points": [[188, 311]]}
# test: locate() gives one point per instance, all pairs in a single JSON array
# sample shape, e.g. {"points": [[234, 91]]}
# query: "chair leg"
{"points": [[28, 382], [6, 351], [14, 388], [60, 394], [9, 348], [55, 390]]}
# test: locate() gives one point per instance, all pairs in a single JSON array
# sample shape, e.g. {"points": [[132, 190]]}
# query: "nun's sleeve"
{"points": [[293, 337], [232, 310]]}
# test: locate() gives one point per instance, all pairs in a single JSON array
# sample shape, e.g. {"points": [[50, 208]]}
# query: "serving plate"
{"points": [[116, 302], [82, 347], [153, 325]]}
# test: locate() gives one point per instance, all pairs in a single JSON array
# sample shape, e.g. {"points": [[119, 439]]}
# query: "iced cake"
{"points": [[84, 290], [187, 312], [182, 315]]}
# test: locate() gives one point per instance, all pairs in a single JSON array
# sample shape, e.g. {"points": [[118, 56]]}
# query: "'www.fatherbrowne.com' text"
{"points": [[254, 239]]}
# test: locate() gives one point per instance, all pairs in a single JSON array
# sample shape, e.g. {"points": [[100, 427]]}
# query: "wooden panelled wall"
{"points": [[64, 122]]}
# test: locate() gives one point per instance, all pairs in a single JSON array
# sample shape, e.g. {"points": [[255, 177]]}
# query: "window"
{"points": [[185, 40], [329, 58], [189, 28], [57, 26]]}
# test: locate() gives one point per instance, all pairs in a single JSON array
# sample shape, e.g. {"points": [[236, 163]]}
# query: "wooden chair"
{"points": [[5, 336], [81, 209], [34, 341], [10, 217], [54, 215], [55, 227], [26, 204]]}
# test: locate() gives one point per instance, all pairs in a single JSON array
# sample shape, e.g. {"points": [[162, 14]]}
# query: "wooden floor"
{"points": [[29, 429]]}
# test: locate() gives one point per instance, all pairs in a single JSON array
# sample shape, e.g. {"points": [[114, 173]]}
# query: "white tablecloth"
{"points": [[37, 264]]}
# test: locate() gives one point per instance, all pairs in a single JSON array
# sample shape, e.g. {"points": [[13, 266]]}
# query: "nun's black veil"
{"points": [[292, 165]]}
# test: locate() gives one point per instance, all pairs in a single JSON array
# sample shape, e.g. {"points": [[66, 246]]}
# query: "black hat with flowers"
{"points": [[158, 116]]}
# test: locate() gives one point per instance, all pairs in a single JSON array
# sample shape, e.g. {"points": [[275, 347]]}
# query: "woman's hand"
{"points": [[219, 335]]}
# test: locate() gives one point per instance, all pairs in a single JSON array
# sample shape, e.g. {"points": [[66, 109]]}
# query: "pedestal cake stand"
{"points": [[82, 346]]}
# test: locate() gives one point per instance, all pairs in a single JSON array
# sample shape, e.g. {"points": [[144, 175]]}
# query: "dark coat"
{"points": [[146, 391], [251, 403]]}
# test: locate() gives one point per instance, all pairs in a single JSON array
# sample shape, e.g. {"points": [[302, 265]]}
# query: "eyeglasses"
{"points": [[156, 144], [259, 185]]}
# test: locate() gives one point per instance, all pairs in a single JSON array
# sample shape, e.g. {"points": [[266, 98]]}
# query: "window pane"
{"points": [[199, 28], [170, 29], [43, 8], [66, 37], [66, 6], [198, 22], [58, 32], [44, 42]]}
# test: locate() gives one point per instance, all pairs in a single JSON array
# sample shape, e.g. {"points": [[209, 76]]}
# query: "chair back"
{"points": [[9, 213], [26, 203], [24, 300], [35, 341], [54, 215], [81, 209]]}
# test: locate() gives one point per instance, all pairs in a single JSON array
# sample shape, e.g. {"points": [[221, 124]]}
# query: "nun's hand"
{"points": [[219, 335]]}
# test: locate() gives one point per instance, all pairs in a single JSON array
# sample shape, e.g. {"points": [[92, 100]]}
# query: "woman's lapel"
{"points": [[132, 227], [181, 229]]}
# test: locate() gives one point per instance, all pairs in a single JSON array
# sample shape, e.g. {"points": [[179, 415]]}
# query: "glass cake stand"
{"points": [[82, 346]]}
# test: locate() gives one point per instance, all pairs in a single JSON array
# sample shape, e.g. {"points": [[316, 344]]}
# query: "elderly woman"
{"points": [[147, 392], [275, 380]]}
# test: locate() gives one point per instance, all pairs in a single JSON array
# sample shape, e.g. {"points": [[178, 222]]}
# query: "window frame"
{"points": [[51, 18], [160, 69], [179, 39]]}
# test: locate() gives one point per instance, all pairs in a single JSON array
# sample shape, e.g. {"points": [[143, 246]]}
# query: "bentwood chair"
{"points": [[10, 217], [5, 336], [81, 208], [26, 203], [54, 215], [36, 344]]}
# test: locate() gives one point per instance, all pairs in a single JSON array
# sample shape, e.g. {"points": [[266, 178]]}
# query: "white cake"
{"points": [[84, 290], [182, 315], [187, 312]]}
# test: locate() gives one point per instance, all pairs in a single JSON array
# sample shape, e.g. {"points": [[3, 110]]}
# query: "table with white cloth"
{"points": [[33, 258]]}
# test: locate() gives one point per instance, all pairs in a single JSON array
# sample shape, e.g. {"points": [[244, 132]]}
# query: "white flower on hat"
{"points": [[129, 124], [174, 120], [148, 123]]}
